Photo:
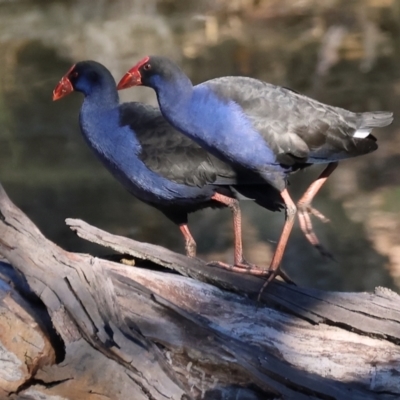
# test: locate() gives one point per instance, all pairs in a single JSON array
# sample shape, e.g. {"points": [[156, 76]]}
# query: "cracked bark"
{"points": [[121, 332]]}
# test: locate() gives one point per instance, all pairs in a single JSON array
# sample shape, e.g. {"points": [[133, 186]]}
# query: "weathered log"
{"points": [[137, 333], [24, 340]]}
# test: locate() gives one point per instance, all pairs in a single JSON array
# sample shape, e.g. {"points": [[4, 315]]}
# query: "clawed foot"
{"points": [[245, 267], [304, 213], [242, 267], [270, 278], [272, 275], [313, 211]]}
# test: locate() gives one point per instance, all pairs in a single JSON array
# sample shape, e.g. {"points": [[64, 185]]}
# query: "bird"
{"points": [[158, 164], [269, 130]]}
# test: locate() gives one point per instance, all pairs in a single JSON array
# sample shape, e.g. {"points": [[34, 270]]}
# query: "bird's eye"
{"points": [[146, 67], [74, 74]]}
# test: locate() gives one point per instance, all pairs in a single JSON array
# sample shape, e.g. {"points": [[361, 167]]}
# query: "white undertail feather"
{"points": [[370, 120], [362, 133]]}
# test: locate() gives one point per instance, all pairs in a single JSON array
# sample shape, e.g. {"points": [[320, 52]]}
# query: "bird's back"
{"points": [[298, 128]]}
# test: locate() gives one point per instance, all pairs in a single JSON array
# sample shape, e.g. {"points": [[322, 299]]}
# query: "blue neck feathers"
{"points": [[103, 94], [173, 93]]}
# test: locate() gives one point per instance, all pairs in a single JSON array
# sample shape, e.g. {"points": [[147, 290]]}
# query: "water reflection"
{"points": [[340, 52]]}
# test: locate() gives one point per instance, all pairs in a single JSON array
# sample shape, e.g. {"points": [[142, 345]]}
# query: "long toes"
{"points": [[242, 267], [307, 208], [235, 268], [248, 265], [271, 277], [252, 269], [325, 253], [318, 214], [305, 222], [322, 250], [219, 264], [286, 277], [307, 228]]}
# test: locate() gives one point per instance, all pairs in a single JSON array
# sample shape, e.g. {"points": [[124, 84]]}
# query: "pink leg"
{"points": [[280, 248], [233, 204], [240, 264], [305, 209]]}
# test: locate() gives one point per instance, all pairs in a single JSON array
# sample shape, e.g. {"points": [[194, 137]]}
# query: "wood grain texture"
{"points": [[24, 341], [132, 332]]}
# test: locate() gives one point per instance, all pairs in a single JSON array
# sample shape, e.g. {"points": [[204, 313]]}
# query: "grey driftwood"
{"points": [[73, 326]]}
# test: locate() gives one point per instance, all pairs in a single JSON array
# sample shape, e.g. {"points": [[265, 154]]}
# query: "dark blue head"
{"points": [[155, 72], [90, 78]]}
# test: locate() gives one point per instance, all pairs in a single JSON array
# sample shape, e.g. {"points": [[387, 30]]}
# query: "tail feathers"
{"points": [[370, 120]]}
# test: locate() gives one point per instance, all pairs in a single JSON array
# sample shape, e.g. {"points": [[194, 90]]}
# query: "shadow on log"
{"points": [[79, 327]]}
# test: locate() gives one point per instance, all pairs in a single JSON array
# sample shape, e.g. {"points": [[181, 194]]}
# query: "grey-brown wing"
{"points": [[171, 154], [296, 127]]}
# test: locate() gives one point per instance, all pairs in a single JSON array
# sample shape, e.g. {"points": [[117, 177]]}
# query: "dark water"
{"points": [[343, 53]]}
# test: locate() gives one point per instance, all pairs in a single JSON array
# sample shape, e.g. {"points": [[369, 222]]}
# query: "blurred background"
{"points": [[342, 52]]}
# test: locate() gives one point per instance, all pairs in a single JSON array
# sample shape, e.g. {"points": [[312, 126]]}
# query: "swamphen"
{"points": [[155, 162], [267, 129]]}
